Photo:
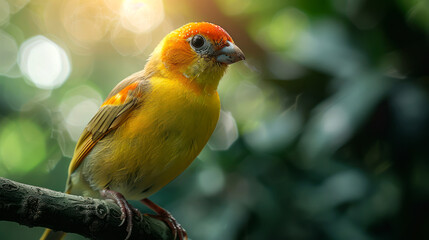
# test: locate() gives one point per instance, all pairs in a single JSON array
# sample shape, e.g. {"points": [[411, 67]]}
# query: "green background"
{"points": [[324, 132]]}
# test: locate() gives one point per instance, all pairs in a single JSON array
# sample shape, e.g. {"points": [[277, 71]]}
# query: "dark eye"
{"points": [[197, 41]]}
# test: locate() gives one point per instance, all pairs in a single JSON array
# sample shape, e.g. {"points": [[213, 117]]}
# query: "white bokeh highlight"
{"points": [[78, 109], [225, 134], [43, 62], [79, 116]]}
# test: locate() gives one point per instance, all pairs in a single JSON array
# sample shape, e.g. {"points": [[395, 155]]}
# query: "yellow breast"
{"points": [[156, 143]]}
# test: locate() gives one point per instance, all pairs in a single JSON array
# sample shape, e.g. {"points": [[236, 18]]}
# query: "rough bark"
{"points": [[93, 218]]}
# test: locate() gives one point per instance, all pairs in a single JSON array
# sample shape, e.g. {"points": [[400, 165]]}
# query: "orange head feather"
{"points": [[212, 32], [196, 52]]}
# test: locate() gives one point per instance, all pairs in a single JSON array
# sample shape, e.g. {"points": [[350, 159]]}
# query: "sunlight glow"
{"points": [[43, 62], [85, 22], [141, 16], [128, 43]]}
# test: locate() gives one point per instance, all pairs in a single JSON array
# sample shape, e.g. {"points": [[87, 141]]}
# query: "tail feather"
{"points": [[49, 234]]}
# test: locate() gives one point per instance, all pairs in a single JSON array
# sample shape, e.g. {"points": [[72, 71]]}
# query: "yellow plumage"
{"points": [[155, 144]]}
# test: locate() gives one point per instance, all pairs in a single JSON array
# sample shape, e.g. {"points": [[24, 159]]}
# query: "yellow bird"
{"points": [[154, 123]]}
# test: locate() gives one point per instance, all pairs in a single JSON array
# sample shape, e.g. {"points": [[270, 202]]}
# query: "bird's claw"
{"points": [[127, 210], [165, 216], [178, 231]]}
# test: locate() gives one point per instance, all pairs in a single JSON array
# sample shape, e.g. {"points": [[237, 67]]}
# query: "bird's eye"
{"points": [[197, 41]]}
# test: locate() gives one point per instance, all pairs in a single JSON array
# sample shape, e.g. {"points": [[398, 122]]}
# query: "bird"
{"points": [[154, 123]]}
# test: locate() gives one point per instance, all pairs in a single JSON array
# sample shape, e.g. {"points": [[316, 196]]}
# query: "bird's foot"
{"points": [[127, 210], [165, 216]]}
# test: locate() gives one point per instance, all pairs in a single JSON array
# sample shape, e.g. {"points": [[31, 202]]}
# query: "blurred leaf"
{"points": [[22, 146]]}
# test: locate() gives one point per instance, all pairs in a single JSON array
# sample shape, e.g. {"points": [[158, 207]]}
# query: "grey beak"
{"points": [[229, 54]]}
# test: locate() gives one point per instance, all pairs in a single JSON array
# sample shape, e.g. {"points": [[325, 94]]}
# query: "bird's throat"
{"points": [[205, 75]]}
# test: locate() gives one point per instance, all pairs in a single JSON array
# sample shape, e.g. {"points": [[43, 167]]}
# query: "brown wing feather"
{"points": [[110, 116]]}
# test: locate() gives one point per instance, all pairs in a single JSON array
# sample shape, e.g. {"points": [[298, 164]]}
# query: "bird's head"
{"points": [[198, 52]]}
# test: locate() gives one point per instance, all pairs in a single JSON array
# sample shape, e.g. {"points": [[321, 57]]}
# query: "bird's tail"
{"points": [[52, 235]]}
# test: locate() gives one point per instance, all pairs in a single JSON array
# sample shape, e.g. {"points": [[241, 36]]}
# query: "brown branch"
{"points": [[93, 218]]}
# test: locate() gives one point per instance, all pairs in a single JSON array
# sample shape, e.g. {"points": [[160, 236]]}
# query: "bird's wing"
{"points": [[124, 98]]}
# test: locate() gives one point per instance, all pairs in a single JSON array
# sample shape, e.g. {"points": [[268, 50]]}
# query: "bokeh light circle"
{"points": [[225, 134], [4, 12], [43, 62], [22, 145], [78, 107], [8, 52]]}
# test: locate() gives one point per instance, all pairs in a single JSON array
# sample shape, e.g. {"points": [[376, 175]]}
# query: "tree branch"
{"points": [[93, 218]]}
